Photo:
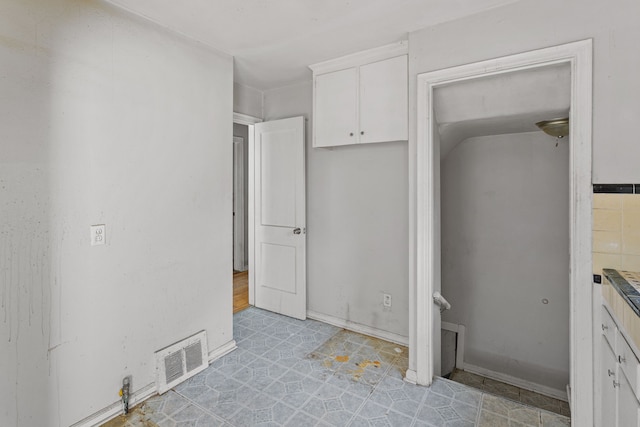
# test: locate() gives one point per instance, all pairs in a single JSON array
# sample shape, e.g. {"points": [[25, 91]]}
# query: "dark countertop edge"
{"points": [[626, 291]]}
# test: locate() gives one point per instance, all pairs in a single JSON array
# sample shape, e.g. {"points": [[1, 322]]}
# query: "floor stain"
{"points": [[362, 366], [138, 416], [342, 359], [359, 357]]}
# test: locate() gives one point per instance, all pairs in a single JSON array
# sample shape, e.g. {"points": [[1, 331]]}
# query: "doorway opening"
{"points": [[425, 363], [275, 210], [240, 218], [242, 137], [504, 208]]}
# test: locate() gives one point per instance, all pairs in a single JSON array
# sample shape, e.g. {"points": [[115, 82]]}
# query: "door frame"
{"points": [[425, 228], [250, 121], [239, 261]]}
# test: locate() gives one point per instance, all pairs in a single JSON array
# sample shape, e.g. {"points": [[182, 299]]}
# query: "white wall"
{"points": [[505, 248], [247, 100], [356, 221], [528, 25], [107, 119]]}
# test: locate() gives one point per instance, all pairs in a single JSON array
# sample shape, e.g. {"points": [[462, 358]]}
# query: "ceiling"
{"points": [[273, 41], [501, 104]]}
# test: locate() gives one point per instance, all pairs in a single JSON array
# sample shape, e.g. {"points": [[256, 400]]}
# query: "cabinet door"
{"points": [[336, 108], [607, 379], [628, 406], [383, 101]]}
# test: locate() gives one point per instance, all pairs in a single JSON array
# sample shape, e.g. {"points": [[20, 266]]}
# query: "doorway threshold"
{"points": [[511, 392]]}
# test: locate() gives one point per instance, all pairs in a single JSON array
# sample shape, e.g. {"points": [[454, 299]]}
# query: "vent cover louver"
{"points": [[181, 361]]}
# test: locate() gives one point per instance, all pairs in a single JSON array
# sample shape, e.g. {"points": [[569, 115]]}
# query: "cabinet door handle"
{"points": [[297, 230], [350, 133], [604, 327], [361, 132], [622, 359], [616, 384], [610, 372]]}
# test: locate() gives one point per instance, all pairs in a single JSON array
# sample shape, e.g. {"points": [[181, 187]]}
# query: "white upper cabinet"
{"points": [[361, 98], [336, 103], [383, 100]]}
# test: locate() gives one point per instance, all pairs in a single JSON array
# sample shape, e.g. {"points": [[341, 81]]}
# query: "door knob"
{"points": [[297, 230]]}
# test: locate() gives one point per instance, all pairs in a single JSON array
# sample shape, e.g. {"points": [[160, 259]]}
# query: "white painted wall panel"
{"points": [[247, 100], [505, 248], [111, 120], [357, 223]]}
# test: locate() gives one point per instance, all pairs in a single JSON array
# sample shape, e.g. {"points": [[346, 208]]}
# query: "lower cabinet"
{"points": [[608, 380], [628, 406], [620, 406]]}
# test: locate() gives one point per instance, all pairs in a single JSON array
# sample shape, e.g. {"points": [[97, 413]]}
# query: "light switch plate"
{"points": [[98, 234]]}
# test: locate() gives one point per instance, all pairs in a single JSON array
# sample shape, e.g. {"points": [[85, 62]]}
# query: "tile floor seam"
{"points": [[196, 404], [423, 400], [477, 420]]}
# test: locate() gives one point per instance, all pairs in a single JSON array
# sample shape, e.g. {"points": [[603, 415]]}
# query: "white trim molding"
{"points": [[460, 337], [578, 55], [223, 350], [116, 408], [244, 119], [359, 328], [361, 58], [251, 199]]}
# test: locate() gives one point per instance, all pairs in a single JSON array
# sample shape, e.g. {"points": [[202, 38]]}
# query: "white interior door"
{"points": [[279, 217]]}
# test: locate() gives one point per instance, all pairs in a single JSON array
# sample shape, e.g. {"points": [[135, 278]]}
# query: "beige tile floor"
{"points": [[511, 392]]}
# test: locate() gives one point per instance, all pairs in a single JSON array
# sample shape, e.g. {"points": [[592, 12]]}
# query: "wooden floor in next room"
{"points": [[240, 290]]}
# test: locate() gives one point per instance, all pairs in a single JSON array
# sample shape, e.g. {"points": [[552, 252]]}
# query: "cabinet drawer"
{"points": [[628, 362], [608, 328]]}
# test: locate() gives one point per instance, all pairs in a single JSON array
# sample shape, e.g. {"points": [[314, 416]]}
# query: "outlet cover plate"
{"points": [[98, 234], [386, 300]]}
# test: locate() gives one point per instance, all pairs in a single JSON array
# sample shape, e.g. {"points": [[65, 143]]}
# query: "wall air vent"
{"points": [[181, 361]]}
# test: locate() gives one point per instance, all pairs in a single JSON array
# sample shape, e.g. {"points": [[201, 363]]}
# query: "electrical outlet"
{"points": [[386, 300], [98, 234]]}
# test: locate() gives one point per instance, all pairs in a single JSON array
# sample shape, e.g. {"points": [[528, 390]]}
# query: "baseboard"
{"points": [[143, 394], [357, 327], [116, 409], [460, 330], [411, 376], [527, 385], [223, 350]]}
